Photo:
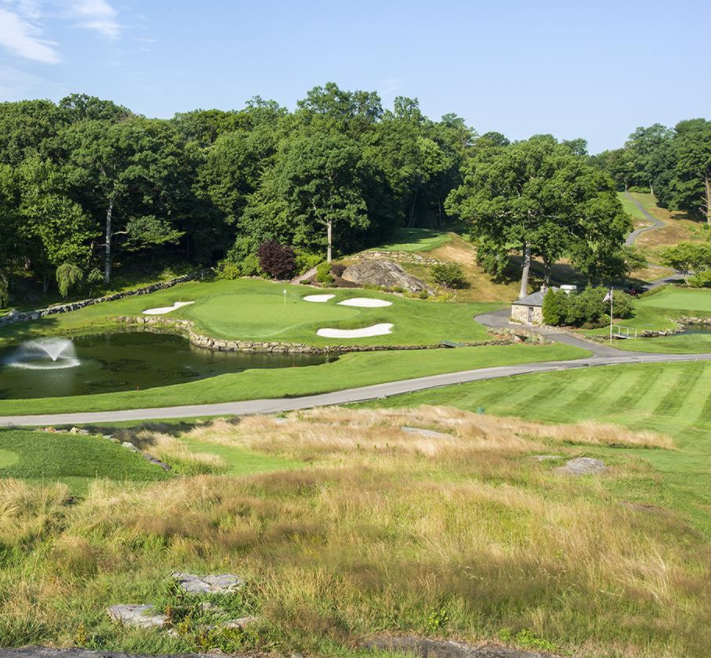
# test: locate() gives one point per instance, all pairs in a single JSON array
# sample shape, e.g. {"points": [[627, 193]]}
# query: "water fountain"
{"points": [[45, 354]]}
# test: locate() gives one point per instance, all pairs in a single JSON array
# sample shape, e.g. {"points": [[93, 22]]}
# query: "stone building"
{"points": [[529, 309]]}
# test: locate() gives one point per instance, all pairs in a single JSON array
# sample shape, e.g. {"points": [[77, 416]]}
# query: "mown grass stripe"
{"points": [[684, 382]]}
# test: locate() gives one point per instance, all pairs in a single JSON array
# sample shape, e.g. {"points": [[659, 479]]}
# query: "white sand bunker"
{"points": [[365, 302], [166, 309], [365, 332], [318, 298]]}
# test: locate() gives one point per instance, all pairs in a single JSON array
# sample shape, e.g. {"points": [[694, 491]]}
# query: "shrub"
{"points": [[323, 273], [554, 307], [95, 279], [449, 275], [4, 291], [250, 266], [700, 280], [586, 308], [337, 270], [228, 270], [305, 260], [68, 276], [277, 260]]}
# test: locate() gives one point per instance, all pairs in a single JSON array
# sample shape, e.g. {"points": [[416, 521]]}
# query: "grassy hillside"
{"points": [[457, 534], [668, 398]]}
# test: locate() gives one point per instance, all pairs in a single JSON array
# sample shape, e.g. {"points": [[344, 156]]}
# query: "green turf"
{"points": [[351, 370], [670, 398], [73, 459], [257, 310], [240, 461], [631, 208], [415, 240]]}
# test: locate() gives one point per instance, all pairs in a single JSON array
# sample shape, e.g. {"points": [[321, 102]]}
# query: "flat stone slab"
{"points": [[425, 648], [137, 614], [425, 432], [583, 466], [223, 583]]}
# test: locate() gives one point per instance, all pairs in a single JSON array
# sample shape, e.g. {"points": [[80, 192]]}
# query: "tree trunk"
{"points": [[109, 236], [329, 232], [411, 221], [526, 269], [547, 267], [45, 283], [707, 187]]}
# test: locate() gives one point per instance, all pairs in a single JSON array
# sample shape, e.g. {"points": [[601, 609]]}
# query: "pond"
{"points": [[122, 361]]}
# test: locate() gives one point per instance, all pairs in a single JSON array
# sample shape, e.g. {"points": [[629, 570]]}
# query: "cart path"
{"points": [[656, 223]]}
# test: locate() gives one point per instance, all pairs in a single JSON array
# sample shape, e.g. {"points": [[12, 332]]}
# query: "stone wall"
{"points": [[519, 313], [185, 328], [399, 256], [15, 317]]}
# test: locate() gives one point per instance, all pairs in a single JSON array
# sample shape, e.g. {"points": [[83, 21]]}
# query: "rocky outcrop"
{"points": [[433, 648], [583, 466], [224, 583], [399, 256], [384, 273], [185, 328], [14, 317]]}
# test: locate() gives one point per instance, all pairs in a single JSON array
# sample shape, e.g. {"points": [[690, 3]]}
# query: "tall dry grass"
{"points": [[459, 536]]}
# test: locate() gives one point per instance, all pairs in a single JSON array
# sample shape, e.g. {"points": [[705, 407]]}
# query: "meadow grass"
{"points": [[458, 535], [668, 398], [350, 370]]}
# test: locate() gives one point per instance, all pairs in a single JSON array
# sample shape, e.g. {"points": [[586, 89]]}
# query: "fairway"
{"points": [[72, 459], [412, 240], [258, 310], [680, 299], [674, 399]]}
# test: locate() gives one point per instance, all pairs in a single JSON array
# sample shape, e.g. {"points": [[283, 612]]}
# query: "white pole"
{"points": [[612, 295], [284, 296]]}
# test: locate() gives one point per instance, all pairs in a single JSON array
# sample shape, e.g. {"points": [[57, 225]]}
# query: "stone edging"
{"points": [[185, 328], [14, 318]]}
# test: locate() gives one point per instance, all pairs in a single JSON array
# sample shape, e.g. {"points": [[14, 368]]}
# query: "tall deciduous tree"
{"points": [[691, 187]]}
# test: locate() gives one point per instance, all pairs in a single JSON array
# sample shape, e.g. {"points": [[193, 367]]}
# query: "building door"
{"points": [[530, 314]]}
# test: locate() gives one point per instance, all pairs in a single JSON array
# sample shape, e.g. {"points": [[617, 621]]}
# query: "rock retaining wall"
{"points": [[15, 317], [399, 256], [185, 328]]}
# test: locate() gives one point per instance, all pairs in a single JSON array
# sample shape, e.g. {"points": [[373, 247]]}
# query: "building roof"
{"points": [[534, 299]]}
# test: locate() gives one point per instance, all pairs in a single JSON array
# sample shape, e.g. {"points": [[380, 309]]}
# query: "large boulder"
{"points": [[383, 273]]}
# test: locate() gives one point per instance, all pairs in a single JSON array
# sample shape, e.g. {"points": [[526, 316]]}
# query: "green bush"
{"points": [[700, 280], [323, 273], [450, 275], [305, 260], [69, 276], [4, 291], [228, 270], [586, 308], [250, 266], [554, 307]]}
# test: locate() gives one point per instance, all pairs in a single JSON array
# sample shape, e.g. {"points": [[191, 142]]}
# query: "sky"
{"points": [[572, 68]]}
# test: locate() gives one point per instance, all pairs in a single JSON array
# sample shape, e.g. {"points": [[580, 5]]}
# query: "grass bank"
{"points": [[459, 534], [350, 370], [668, 398]]}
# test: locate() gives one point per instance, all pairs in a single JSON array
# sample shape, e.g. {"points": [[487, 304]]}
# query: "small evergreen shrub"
{"points": [[323, 273], [554, 307], [228, 270], [277, 260], [450, 275]]}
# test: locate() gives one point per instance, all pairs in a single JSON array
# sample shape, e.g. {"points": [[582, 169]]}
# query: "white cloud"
{"points": [[96, 15], [22, 37]]}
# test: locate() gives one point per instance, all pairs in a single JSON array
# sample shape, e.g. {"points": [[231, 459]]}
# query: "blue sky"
{"points": [[575, 69]]}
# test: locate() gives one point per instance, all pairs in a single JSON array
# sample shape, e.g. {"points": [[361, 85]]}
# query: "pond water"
{"points": [[122, 361], [695, 329]]}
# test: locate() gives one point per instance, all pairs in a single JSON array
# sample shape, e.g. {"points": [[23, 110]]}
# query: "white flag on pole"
{"points": [[608, 296]]}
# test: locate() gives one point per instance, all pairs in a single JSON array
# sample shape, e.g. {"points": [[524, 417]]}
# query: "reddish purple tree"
{"points": [[278, 261]]}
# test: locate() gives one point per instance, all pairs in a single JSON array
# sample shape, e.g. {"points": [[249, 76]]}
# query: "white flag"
{"points": [[608, 296]]}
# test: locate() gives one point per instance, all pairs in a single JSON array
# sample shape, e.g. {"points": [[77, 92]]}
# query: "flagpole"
{"points": [[612, 295]]}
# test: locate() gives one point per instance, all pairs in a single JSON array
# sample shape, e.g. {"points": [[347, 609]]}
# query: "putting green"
{"points": [[261, 316], [680, 300]]}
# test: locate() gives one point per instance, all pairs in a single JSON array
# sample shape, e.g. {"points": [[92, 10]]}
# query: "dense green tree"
{"points": [[28, 128], [691, 186]]}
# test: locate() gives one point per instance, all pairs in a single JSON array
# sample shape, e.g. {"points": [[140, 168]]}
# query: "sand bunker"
{"points": [[166, 309], [318, 298], [365, 302], [365, 332]]}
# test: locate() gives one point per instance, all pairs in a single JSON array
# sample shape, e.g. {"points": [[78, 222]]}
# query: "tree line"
{"points": [[674, 164], [87, 185]]}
